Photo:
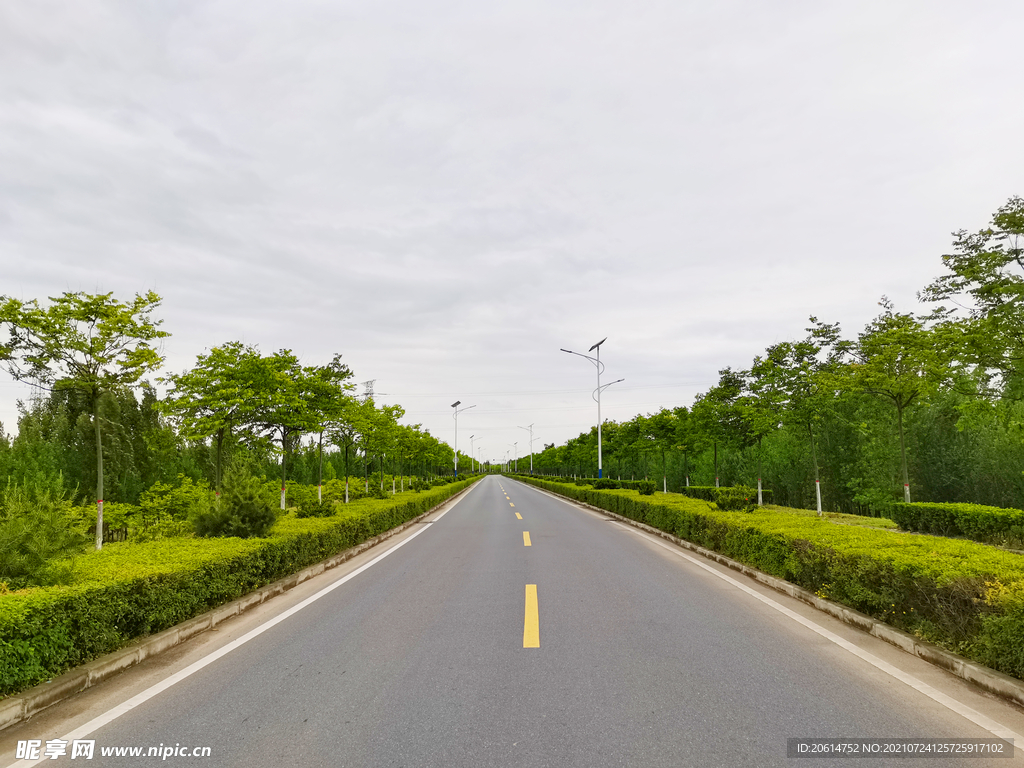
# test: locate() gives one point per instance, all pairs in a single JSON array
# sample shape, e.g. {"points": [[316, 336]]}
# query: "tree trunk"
{"points": [[759, 503], [220, 454], [814, 456], [716, 463], [664, 471], [903, 455], [99, 470], [320, 478], [284, 464]]}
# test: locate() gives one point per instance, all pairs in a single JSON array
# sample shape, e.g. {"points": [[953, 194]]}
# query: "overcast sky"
{"points": [[449, 192]]}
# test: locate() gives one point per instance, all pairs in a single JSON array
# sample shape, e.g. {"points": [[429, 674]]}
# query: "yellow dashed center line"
{"points": [[526, 539], [511, 504], [520, 517], [531, 623]]}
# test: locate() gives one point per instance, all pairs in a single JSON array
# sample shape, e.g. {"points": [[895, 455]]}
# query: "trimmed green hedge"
{"points": [[127, 591], [975, 521], [964, 596], [726, 497], [712, 493]]}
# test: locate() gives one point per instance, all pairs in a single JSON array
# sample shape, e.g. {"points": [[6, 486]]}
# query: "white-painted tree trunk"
{"points": [[817, 491], [759, 491], [664, 484]]}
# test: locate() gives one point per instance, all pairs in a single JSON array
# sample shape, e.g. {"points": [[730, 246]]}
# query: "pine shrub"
{"points": [[243, 510], [314, 508]]}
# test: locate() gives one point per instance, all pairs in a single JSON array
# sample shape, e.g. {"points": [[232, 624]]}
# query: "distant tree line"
{"points": [[923, 407], [95, 425]]}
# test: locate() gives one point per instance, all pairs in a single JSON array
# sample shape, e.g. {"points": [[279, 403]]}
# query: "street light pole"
{"points": [[472, 453], [597, 392], [530, 428], [455, 415], [515, 447]]}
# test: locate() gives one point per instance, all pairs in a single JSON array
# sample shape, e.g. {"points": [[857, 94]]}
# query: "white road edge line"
{"points": [[110, 715], [961, 709]]}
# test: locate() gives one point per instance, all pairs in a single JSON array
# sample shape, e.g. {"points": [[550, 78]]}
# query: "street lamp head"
{"points": [[569, 351], [602, 341], [456, 403]]}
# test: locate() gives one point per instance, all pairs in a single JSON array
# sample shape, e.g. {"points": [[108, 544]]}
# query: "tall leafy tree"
{"points": [[344, 431], [986, 270], [380, 432], [91, 343], [762, 404], [896, 359], [809, 371], [327, 397], [284, 391], [219, 394], [718, 415]]}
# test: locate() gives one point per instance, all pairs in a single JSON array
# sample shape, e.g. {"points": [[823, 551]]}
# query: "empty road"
{"points": [[516, 629]]}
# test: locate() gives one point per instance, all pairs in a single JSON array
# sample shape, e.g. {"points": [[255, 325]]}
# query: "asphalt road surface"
{"points": [[515, 629]]}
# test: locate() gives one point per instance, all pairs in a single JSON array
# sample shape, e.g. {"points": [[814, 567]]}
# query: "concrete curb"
{"points": [[990, 680], [22, 706]]}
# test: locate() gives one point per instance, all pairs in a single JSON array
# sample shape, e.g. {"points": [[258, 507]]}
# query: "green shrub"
{"points": [[646, 488], [38, 535], [606, 484], [317, 509], [964, 596], [702, 492], [986, 524], [128, 590], [726, 493], [736, 497], [376, 492], [177, 502], [243, 509]]}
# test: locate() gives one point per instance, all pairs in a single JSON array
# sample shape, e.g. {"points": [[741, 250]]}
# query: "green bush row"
{"points": [[130, 590], [964, 596], [731, 497], [645, 487], [975, 521], [712, 493]]}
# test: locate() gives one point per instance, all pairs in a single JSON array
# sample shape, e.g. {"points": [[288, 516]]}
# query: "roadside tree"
{"points": [[94, 344]]}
